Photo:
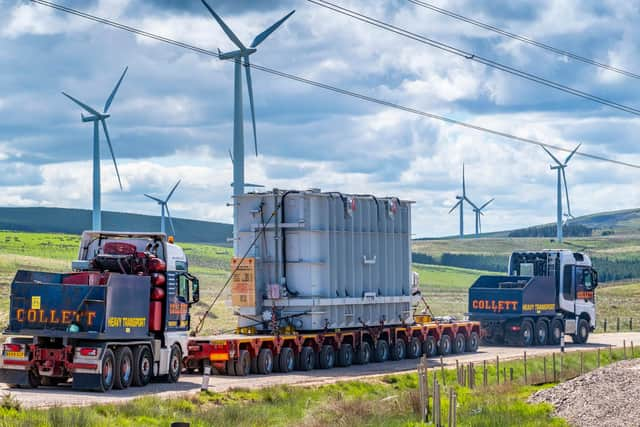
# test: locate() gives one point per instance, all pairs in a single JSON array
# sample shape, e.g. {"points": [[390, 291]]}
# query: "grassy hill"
{"points": [[74, 221]]}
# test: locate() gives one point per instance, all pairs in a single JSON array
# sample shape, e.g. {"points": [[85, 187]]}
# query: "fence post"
{"points": [[423, 380], [436, 404], [618, 325], [498, 370], [598, 357], [544, 364], [511, 374], [525, 368], [455, 409], [471, 379], [605, 325], [450, 406], [444, 381], [458, 371], [484, 373], [631, 323], [555, 372], [504, 374]]}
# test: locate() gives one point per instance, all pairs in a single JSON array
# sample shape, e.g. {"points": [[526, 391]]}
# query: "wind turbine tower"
{"points": [[562, 177], [478, 212], [164, 207], [460, 203], [97, 119], [241, 58]]}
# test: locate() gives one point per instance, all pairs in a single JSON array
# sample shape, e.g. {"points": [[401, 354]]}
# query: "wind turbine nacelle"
{"points": [[236, 53]]}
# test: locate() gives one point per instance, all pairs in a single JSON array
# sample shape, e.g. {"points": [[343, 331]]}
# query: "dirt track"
{"points": [[64, 396]]}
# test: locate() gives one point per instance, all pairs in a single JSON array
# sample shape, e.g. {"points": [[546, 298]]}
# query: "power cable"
{"points": [[332, 88], [473, 57], [524, 39]]}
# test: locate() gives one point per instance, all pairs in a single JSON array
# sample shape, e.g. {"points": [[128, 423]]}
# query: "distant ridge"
{"points": [[74, 221]]}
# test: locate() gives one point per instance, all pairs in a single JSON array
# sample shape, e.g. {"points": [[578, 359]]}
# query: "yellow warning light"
{"points": [[170, 239]]}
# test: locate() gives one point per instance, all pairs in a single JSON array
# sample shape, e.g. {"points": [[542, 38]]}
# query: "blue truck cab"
{"points": [[546, 293]]}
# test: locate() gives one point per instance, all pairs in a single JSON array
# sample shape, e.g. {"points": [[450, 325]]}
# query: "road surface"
{"points": [[44, 397]]}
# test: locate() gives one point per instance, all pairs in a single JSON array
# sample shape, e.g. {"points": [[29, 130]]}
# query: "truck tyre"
{"points": [[555, 331], [123, 368], [327, 357], [265, 361], [108, 370], [526, 333], [415, 348], [541, 332], [230, 367], [399, 350], [382, 351], [243, 364], [429, 346], [363, 355], [582, 332], [286, 360], [345, 355], [142, 366], [444, 346], [459, 343], [306, 358], [472, 342], [33, 378], [175, 364]]}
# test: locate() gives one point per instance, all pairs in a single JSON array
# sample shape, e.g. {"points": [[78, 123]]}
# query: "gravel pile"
{"points": [[605, 397]]}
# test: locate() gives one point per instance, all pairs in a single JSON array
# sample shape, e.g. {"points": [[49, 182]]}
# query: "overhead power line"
{"points": [[329, 87], [524, 39], [473, 57]]}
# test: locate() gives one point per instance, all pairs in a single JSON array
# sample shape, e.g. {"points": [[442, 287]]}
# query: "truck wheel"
{"points": [[444, 346], [429, 346], [399, 350], [230, 367], [542, 332], [265, 361], [526, 333], [33, 378], [286, 360], [142, 366], [472, 342], [345, 355], [108, 370], [306, 358], [459, 343], [327, 357], [363, 355], [243, 364], [555, 332], [415, 348], [175, 364], [123, 368], [582, 333], [382, 351]]}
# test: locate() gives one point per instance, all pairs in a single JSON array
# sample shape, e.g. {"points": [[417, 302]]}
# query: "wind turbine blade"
{"points": [[113, 156], [113, 92], [571, 154], [455, 206], [172, 190], [486, 204], [173, 230], [83, 105], [263, 35], [154, 198], [552, 156], [225, 28], [566, 192], [470, 202], [247, 70], [230, 156]]}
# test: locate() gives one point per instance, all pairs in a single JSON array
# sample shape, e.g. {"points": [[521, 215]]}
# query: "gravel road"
{"points": [[63, 395]]}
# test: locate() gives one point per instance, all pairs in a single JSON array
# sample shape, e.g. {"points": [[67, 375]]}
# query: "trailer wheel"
{"points": [[242, 366], [265, 361], [444, 345], [399, 350], [287, 360], [327, 357], [108, 371], [175, 364], [345, 355], [306, 358], [472, 342], [555, 332], [33, 378], [123, 368], [582, 333], [363, 355], [382, 351], [429, 346], [526, 333], [542, 332], [415, 348], [142, 366], [459, 343]]}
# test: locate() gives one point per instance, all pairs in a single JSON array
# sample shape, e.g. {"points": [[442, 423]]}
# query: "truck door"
{"points": [[585, 295]]}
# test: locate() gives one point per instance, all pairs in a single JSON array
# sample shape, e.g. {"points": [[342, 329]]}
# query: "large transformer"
{"points": [[325, 260]]}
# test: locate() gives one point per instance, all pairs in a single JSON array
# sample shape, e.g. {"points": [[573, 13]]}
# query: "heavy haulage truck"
{"points": [[546, 293], [319, 280]]}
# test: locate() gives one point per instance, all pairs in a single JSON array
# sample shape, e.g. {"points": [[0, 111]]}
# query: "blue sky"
{"points": [[172, 118]]}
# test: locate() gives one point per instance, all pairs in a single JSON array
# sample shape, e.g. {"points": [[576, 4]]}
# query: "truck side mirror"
{"points": [[195, 290], [594, 279]]}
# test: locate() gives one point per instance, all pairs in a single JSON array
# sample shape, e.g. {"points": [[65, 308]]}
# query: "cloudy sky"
{"points": [[172, 118]]}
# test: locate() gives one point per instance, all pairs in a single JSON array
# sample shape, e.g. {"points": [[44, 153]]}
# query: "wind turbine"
{"points": [[478, 212], [562, 177], [165, 207], [460, 203], [241, 57], [97, 118]]}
